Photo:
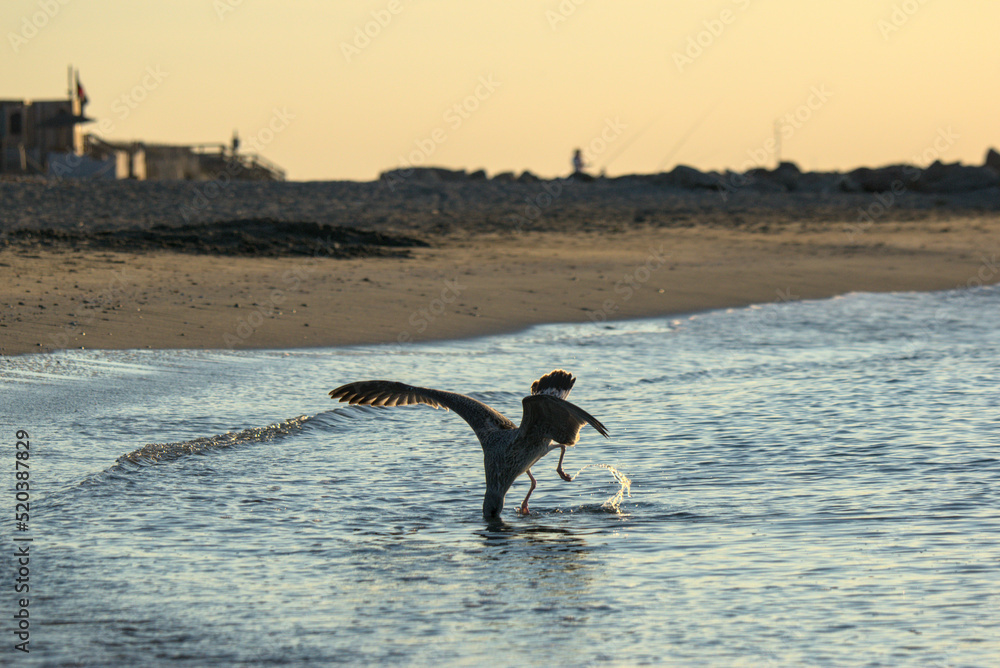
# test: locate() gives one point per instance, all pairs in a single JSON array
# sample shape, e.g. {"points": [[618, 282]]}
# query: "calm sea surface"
{"points": [[813, 483]]}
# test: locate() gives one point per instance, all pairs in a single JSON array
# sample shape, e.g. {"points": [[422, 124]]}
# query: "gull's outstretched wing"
{"points": [[547, 416], [480, 417]]}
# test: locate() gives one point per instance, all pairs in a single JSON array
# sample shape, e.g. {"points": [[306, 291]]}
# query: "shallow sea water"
{"points": [[813, 483]]}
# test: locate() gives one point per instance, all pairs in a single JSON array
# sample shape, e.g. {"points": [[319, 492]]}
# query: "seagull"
{"points": [[549, 422]]}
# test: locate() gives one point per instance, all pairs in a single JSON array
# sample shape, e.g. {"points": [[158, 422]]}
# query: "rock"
{"points": [[884, 179], [847, 184], [527, 177], [661, 179], [787, 174], [504, 177], [424, 174], [993, 160], [760, 179], [478, 175], [690, 178], [955, 177], [821, 182], [783, 178]]}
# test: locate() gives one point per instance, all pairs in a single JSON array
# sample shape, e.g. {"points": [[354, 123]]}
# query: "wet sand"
{"points": [[468, 283]]}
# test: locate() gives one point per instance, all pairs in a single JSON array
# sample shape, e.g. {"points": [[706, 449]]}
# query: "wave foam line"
{"points": [[158, 452]]}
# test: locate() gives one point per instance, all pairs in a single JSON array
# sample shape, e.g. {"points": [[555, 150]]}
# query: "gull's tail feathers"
{"points": [[556, 383]]}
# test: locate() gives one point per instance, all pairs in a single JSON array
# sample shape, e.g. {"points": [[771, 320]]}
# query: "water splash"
{"points": [[614, 502]]}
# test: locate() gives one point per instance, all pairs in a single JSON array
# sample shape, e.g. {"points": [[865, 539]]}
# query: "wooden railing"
{"points": [[249, 161]]}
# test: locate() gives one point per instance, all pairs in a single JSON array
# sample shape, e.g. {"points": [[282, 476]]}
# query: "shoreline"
{"points": [[466, 286]]}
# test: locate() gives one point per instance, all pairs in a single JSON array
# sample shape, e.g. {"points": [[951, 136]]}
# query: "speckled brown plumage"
{"points": [[548, 422]]}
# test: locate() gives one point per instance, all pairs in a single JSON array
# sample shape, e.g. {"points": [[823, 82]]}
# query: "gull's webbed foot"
{"points": [[559, 469]]}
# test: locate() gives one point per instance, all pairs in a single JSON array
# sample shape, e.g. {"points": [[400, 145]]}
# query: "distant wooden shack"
{"points": [[45, 137], [30, 130], [186, 162]]}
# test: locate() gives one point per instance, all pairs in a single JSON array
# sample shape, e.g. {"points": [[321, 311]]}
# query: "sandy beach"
{"points": [[467, 273]]}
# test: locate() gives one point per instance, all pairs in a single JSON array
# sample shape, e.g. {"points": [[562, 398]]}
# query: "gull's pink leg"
{"points": [[524, 504], [562, 474]]}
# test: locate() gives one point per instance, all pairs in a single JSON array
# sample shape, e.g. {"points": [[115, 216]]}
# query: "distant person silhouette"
{"points": [[578, 163]]}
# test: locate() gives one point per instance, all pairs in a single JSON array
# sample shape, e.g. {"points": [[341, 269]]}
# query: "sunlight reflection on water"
{"points": [[807, 483]]}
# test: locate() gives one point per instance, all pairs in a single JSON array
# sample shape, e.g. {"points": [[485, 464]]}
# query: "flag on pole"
{"points": [[81, 94]]}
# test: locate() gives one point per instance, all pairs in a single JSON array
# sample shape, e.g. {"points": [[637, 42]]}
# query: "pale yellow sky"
{"points": [[640, 85]]}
